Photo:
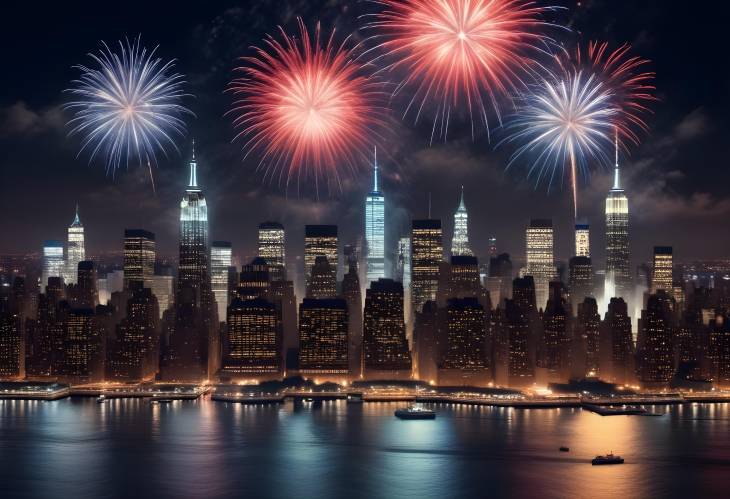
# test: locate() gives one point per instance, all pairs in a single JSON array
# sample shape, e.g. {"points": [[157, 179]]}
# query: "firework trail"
{"points": [[308, 107], [566, 122], [127, 105], [460, 54]]}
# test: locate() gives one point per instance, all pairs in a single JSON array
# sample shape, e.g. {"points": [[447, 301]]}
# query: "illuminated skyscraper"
{"points": [[426, 254], [139, 255], [661, 276], [464, 357], [271, 248], [460, 241], [254, 342], [582, 240], [322, 283], [655, 344], [540, 260], [195, 332], [319, 240], [375, 229], [75, 251], [580, 279], [53, 262], [618, 265], [385, 348], [220, 261], [323, 345]]}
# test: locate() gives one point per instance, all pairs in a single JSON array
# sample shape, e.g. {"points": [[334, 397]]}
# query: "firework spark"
{"points": [[461, 54], [631, 87], [308, 106], [566, 122], [128, 104]]}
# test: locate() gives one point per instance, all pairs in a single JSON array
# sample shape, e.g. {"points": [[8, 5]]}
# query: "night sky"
{"points": [[677, 180]]}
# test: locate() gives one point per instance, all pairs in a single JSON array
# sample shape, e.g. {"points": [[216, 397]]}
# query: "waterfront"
{"points": [[77, 448]]}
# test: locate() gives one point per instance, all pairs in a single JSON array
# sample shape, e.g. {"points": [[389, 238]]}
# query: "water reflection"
{"points": [[189, 449]]}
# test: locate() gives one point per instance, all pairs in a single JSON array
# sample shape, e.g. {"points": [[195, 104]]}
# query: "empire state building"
{"points": [[618, 272]]}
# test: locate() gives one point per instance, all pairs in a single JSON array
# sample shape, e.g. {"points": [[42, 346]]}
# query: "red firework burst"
{"points": [[631, 87], [461, 52], [309, 108]]}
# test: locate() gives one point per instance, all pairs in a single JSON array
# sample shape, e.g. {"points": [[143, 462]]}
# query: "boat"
{"points": [[607, 459], [161, 401], [354, 398], [309, 399], [415, 412], [101, 399], [565, 449]]}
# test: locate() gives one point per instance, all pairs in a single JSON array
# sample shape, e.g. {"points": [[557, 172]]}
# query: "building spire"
{"points": [[193, 170], [77, 220], [462, 207], [616, 173], [375, 169]]}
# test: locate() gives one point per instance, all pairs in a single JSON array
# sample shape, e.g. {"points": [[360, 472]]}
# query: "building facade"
{"points": [[375, 229]]}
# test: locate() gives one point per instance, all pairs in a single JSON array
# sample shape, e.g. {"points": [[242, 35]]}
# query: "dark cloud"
{"points": [[18, 119]]}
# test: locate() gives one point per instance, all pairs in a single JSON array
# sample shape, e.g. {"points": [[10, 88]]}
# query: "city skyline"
{"points": [[676, 194]]}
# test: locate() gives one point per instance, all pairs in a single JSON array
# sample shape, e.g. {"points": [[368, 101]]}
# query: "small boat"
{"points": [[354, 398], [309, 399], [161, 401], [565, 449], [101, 399], [415, 412], [607, 459]]}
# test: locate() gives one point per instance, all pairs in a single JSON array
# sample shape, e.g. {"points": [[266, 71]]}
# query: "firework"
{"points": [[631, 87], [566, 123], [309, 107], [460, 54], [127, 105]]}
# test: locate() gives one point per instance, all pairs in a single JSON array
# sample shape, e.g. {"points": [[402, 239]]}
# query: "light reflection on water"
{"points": [[189, 449]]}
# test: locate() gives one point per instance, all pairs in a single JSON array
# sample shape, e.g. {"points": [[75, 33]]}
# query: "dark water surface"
{"points": [[76, 448]]}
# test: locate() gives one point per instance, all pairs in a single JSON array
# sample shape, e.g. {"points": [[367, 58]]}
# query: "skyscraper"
{"points": [[375, 229], [618, 264], [319, 240], [271, 248], [403, 265], [254, 342], [661, 276], [582, 240], [220, 261], [426, 254], [323, 346], [193, 348], [322, 283], [580, 279], [460, 241], [75, 251], [616, 344], [540, 260], [139, 255], [353, 296], [385, 348], [464, 356], [655, 346], [53, 263]]}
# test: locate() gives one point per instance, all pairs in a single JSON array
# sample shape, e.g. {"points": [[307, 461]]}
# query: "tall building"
{"points": [[323, 282], [661, 276], [220, 261], [426, 254], [87, 292], [375, 229], [580, 279], [499, 280], [589, 330], [323, 346], [134, 353], [254, 342], [492, 247], [618, 264], [75, 251], [655, 344], [385, 348], [319, 240], [193, 347], [540, 259], [616, 344], [353, 296], [582, 240], [465, 359], [556, 338], [139, 255], [81, 347], [271, 248], [12, 361], [53, 262], [460, 241]]}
